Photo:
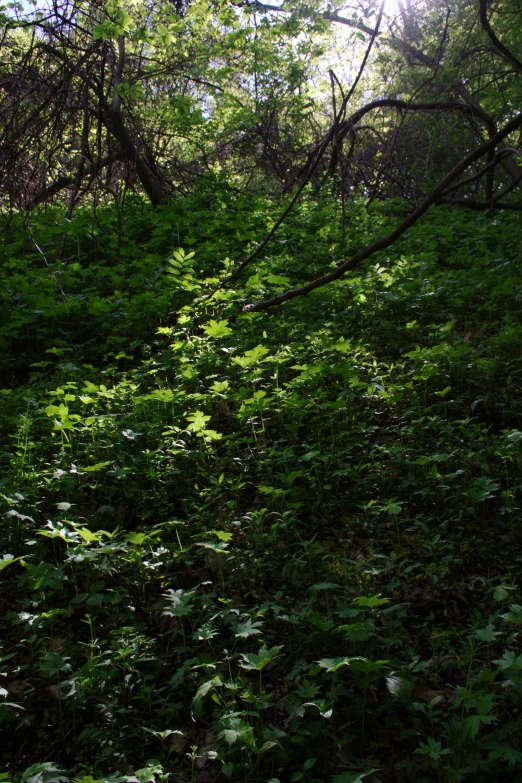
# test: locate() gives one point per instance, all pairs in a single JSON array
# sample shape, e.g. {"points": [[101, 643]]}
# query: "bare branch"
{"points": [[384, 242], [472, 204], [484, 21], [67, 181]]}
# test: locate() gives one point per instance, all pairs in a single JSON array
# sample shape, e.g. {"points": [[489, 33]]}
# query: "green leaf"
{"points": [[223, 535], [514, 615], [53, 663], [163, 395], [205, 633], [237, 730], [506, 753], [218, 387], [202, 691], [372, 601], [259, 660], [400, 688], [136, 538], [209, 435], [487, 634], [353, 777], [342, 345], [95, 599], [43, 773], [94, 468], [268, 745], [148, 774], [266, 490], [470, 726], [448, 326], [88, 535], [64, 506], [180, 602], [433, 749], [228, 769], [509, 662], [242, 630], [217, 329], [197, 421], [62, 411], [333, 664], [279, 280], [101, 32], [254, 356], [8, 560], [357, 632], [220, 547]]}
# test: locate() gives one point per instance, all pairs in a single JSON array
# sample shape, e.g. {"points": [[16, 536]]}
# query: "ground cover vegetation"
{"points": [[249, 534]]}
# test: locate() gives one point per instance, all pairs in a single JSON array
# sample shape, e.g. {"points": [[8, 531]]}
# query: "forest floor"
{"points": [[282, 548]]}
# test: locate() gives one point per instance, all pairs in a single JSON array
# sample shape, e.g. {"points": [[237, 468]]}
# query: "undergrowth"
{"points": [[285, 547]]}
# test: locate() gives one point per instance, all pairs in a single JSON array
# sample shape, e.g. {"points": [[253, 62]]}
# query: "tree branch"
{"points": [[384, 242], [328, 15], [484, 21], [472, 204], [394, 103], [67, 180]]}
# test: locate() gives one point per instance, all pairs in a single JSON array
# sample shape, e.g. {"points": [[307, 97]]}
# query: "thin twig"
{"points": [[49, 268]]}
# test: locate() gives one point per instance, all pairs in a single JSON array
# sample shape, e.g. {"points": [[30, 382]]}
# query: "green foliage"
{"points": [[227, 546]]}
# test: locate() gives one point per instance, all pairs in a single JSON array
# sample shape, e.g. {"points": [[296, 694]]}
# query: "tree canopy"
{"points": [[152, 96]]}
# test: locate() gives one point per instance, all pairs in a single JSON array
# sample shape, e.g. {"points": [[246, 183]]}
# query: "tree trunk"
{"points": [[152, 184]]}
